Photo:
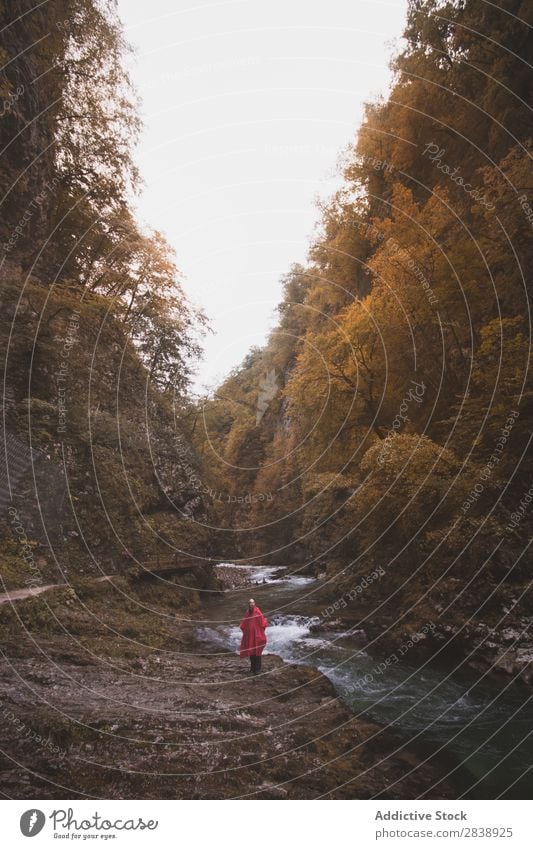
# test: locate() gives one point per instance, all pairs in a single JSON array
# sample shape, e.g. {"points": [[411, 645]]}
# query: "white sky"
{"points": [[247, 105]]}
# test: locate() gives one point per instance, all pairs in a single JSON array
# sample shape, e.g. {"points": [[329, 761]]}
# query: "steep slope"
{"points": [[388, 417]]}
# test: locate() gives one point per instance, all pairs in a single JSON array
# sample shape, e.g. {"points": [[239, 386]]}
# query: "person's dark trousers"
{"points": [[255, 663]]}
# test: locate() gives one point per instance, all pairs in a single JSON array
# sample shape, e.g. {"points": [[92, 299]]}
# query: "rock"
{"points": [[327, 625], [518, 662], [525, 655], [282, 734], [509, 635], [230, 577]]}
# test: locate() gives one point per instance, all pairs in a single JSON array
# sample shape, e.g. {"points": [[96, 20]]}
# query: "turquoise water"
{"points": [[486, 726]]}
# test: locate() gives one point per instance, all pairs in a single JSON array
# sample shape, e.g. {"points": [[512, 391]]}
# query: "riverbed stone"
{"points": [[178, 725]]}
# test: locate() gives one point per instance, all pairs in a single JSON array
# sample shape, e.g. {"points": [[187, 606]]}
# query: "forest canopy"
{"points": [[402, 349]]}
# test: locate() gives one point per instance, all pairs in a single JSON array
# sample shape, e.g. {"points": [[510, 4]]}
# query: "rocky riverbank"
{"points": [[104, 698], [494, 637], [502, 645], [231, 577]]}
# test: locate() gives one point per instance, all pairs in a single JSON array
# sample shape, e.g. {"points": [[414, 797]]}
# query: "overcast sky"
{"points": [[247, 106]]}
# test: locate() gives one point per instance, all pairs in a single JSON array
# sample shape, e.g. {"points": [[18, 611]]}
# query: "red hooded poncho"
{"points": [[253, 632]]}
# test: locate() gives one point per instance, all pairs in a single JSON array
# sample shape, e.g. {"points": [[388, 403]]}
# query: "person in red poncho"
{"points": [[253, 636]]}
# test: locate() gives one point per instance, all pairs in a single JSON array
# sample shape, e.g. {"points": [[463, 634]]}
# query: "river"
{"points": [[484, 723]]}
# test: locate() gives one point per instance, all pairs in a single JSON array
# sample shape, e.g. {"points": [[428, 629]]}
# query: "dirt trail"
{"points": [[28, 592], [102, 697], [179, 726]]}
